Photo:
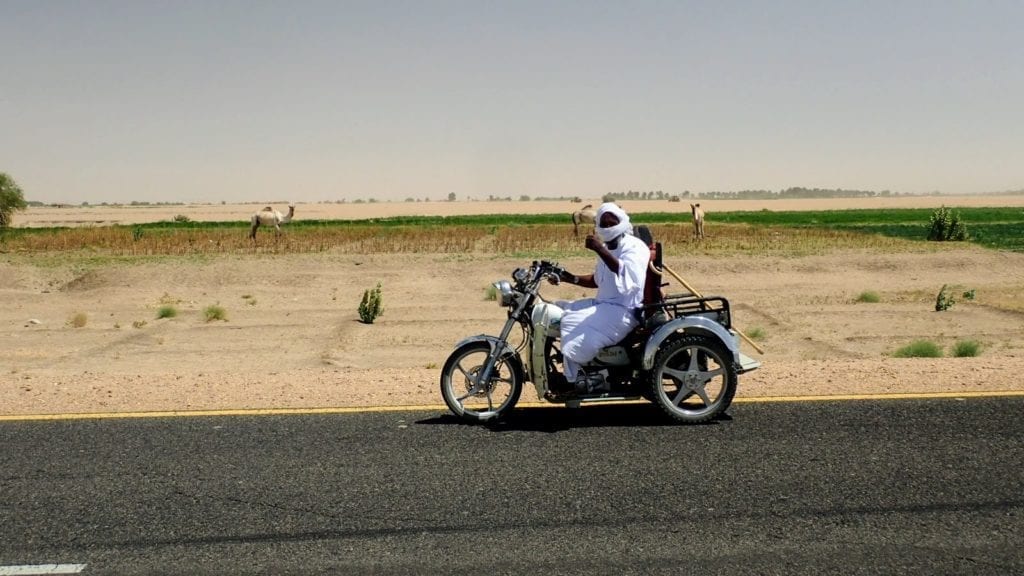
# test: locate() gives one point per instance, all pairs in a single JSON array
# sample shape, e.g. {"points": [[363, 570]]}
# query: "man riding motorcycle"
{"points": [[590, 324]]}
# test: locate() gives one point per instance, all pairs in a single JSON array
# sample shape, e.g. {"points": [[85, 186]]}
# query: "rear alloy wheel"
{"points": [[694, 379]]}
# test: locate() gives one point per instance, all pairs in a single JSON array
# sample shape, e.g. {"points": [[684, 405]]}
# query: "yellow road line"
{"points": [[441, 407], [228, 412], [891, 396]]}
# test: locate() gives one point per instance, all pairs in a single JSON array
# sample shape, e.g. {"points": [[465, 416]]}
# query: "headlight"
{"points": [[504, 292]]}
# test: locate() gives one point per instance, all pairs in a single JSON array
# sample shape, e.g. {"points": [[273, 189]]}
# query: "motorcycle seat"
{"points": [[654, 312]]}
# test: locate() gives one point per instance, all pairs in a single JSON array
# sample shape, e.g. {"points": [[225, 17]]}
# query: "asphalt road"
{"points": [[852, 487]]}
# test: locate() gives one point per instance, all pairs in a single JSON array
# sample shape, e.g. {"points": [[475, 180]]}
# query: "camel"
{"points": [[270, 217], [585, 215], [698, 221]]}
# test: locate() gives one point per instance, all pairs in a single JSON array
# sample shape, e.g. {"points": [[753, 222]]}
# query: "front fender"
{"points": [[507, 352], [493, 341], [690, 325]]}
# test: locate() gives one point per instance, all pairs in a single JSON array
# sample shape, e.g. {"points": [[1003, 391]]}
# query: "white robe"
{"points": [[590, 324]]}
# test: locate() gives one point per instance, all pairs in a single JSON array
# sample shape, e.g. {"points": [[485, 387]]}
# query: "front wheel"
{"points": [[694, 379], [480, 401]]}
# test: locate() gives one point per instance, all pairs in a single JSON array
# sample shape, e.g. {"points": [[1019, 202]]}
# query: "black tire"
{"points": [[694, 379], [490, 402]]}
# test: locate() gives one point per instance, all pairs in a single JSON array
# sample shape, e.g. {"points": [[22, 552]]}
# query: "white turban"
{"points": [[609, 234]]}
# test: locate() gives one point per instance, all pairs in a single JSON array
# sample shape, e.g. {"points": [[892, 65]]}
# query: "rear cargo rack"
{"points": [[681, 305]]}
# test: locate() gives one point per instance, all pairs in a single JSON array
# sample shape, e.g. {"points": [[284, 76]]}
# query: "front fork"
{"points": [[498, 347]]}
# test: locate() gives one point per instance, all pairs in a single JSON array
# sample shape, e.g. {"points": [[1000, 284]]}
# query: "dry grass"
{"points": [[78, 320], [460, 239]]}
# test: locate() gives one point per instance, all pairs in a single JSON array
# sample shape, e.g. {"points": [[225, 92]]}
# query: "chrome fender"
{"points": [[690, 325], [507, 352]]}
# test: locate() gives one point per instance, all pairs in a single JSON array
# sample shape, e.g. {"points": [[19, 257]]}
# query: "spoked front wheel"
{"points": [[694, 379], [477, 401]]}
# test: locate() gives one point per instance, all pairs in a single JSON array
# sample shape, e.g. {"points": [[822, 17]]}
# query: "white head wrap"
{"points": [[609, 234]]}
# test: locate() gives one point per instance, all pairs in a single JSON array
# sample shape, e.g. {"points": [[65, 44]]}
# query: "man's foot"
{"points": [[558, 384], [591, 383]]}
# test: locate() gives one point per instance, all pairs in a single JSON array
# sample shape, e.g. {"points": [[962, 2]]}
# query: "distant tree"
{"points": [[11, 199], [451, 196]]}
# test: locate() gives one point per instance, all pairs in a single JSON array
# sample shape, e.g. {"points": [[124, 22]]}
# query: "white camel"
{"points": [[270, 217], [585, 215], [698, 221]]}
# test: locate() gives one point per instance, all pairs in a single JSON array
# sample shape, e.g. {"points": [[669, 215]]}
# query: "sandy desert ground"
{"points": [[292, 338]]}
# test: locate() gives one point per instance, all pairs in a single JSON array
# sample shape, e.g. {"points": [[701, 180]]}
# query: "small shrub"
{"points": [[968, 295], [138, 324], [182, 218], [944, 300], [756, 333], [166, 312], [919, 349], [371, 306], [966, 349], [491, 294], [869, 296], [167, 299], [78, 320], [946, 226], [214, 312]]}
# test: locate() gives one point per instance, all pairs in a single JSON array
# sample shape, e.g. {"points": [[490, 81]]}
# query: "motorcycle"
{"points": [[684, 355]]}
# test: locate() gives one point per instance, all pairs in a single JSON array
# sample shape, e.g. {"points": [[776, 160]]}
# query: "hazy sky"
{"points": [[181, 101]]}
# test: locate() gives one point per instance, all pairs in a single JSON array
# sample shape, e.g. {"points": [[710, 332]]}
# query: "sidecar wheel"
{"points": [[489, 402], [693, 379]]}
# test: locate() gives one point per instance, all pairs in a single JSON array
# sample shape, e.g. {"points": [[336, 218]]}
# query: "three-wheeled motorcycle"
{"points": [[684, 356]]}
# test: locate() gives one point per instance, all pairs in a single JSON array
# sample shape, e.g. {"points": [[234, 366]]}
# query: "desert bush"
{"points": [[78, 320], [215, 312], [371, 306], [869, 296], [756, 333], [966, 349], [166, 312], [182, 218], [946, 225], [919, 349], [944, 300], [491, 293]]}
